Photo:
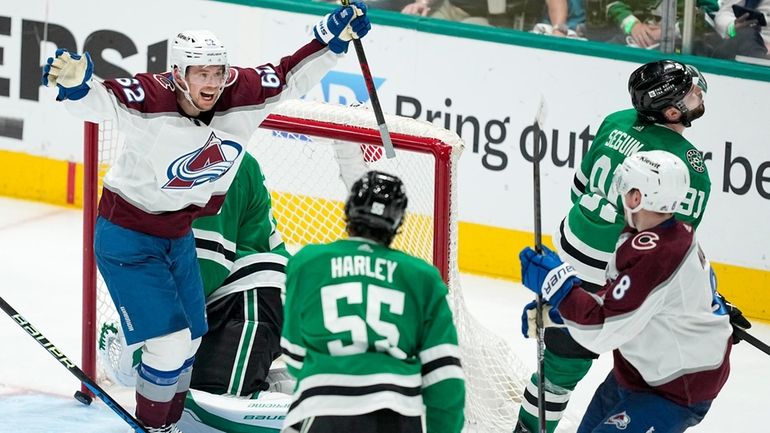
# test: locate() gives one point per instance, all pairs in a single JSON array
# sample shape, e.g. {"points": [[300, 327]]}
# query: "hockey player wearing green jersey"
{"points": [[368, 333], [242, 259], [667, 97]]}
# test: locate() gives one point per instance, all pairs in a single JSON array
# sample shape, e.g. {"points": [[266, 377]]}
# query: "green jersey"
{"points": [[586, 237], [366, 328], [644, 10], [239, 248]]}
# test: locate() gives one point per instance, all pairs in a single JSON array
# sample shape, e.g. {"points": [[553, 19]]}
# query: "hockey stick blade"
{"points": [[367, 74], [71, 367], [754, 341]]}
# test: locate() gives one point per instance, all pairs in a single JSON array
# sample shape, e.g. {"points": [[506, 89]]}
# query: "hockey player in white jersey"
{"points": [[185, 134], [235, 385], [655, 313]]}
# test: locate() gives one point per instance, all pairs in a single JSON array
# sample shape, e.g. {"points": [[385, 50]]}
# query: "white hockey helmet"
{"points": [[661, 177], [197, 48]]}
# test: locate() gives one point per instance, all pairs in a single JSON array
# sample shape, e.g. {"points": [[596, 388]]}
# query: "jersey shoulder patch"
{"points": [[695, 159], [644, 241]]}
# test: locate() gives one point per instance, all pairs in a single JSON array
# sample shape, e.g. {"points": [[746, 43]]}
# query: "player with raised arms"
{"points": [[185, 135]]}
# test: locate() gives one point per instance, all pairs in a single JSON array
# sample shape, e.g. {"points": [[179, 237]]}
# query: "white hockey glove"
{"points": [[339, 27], [71, 73], [551, 318], [118, 360], [350, 159], [280, 380]]}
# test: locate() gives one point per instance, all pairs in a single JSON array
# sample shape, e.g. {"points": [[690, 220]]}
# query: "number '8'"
{"points": [[622, 287]]}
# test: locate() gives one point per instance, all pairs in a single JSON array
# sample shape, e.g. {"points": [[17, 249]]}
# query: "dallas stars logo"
{"points": [[695, 158]]}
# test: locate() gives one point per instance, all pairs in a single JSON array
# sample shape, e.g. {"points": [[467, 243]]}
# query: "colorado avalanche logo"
{"points": [[645, 241], [620, 420], [206, 164]]}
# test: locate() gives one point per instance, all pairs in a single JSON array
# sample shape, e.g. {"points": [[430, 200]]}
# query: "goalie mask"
{"points": [[378, 201], [661, 178], [199, 48], [658, 85]]}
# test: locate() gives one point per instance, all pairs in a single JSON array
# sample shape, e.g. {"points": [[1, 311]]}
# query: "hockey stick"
{"points": [[69, 365], [539, 117], [754, 341], [384, 133]]}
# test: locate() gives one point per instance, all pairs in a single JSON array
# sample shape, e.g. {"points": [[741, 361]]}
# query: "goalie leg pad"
{"points": [[242, 342], [118, 360], [209, 413]]}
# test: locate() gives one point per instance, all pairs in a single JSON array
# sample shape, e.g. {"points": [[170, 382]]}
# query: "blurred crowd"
{"points": [[728, 29]]}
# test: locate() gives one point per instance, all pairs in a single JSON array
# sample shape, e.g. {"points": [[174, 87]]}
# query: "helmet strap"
{"points": [[684, 119], [186, 89], [629, 212]]}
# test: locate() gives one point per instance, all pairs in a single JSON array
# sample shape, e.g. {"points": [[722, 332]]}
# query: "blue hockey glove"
{"points": [[546, 275], [338, 28], [721, 306], [551, 318], [71, 73]]}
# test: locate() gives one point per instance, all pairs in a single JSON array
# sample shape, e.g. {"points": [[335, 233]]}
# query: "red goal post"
{"points": [[293, 147]]}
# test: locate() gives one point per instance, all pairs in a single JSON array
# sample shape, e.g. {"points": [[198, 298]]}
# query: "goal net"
{"points": [[295, 148]]}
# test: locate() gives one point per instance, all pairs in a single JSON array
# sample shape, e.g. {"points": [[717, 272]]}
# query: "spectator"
{"points": [[464, 11], [564, 18], [742, 35], [640, 20]]}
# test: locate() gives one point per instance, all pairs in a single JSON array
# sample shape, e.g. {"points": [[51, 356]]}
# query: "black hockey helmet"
{"points": [[377, 200], [658, 85]]}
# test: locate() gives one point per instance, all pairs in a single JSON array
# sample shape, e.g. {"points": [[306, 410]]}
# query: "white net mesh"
{"points": [[303, 176]]}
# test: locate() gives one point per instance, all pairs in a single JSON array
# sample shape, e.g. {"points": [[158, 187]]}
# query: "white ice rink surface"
{"points": [[40, 255]]}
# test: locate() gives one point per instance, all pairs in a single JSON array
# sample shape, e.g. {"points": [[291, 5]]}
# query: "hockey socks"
{"points": [[183, 385], [155, 390], [561, 377]]}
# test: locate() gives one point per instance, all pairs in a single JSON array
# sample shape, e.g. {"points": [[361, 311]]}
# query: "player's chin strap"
{"points": [[186, 92], [629, 213], [686, 117]]}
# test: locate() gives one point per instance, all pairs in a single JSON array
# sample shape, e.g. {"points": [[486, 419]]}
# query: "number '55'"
{"points": [[376, 297]]}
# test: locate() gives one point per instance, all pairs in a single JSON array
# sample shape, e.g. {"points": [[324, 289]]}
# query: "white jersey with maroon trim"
{"points": [[655, 312], [174, 168]]}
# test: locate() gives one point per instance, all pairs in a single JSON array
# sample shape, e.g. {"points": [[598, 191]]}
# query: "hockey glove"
{"points": [[71, 73], [280, 380], [117, 358], [721, 306], [546, 275], [551, 318], [339, 27]]}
